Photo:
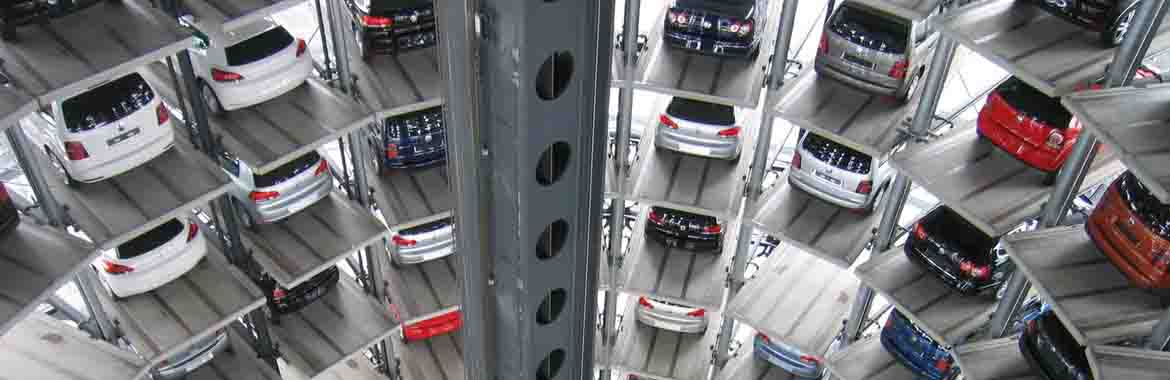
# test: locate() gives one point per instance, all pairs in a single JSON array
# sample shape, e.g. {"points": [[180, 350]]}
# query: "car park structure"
{"points": [[519, 284]]}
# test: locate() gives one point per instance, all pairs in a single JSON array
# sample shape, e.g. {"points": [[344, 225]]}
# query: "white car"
{"points": [[281, 192], [838, 174], [671, 316], [248, 65], [152, 259], [105, 131]]}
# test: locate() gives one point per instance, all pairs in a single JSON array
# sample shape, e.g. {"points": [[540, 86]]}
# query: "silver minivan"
{"points": [[838, 174], [875, 51], [277, 194]]}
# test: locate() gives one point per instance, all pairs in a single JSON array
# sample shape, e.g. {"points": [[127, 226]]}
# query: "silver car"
{"points": [[202, 352], [277, 194], [419, 244], [700, 129], [876, 51], [838, 174], [671, 316]]}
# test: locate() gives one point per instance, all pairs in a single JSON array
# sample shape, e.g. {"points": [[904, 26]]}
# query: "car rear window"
{"points": [[871, 29], [414, 124], [1029, 101], [258, 47], [381, 6], [1153, 213], [945, 224], [150, 240], [107, 103], [421, 229], [701, 112], [289, 170], [837, 155], [684, 218]]}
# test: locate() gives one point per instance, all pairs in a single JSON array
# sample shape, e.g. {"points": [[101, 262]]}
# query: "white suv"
{"points": [[152, 259], [838, 174], [105, 131], [246, 66]]}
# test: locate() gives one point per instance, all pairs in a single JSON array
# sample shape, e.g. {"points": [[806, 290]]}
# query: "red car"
{"points": [[1132, 229], [1032, 126]]}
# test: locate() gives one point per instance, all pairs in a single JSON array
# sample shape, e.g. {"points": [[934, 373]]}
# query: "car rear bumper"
{"points": [[720, 148], [945, 274], [83, 171], [415, 160], [670, 321], [138, 282], [180, 371], [865, 79], [675, 239], [790, 362], [421, 254], [1034, 156], [712, 46], [918, 367], [246, 93], [1116, 246], [399, 39], [828, 192], [286, 206]]}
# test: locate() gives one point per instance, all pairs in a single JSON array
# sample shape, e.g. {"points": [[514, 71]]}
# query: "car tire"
{"points": [[60, 165], [1050, 177], [210, 99], [1119, 28]]}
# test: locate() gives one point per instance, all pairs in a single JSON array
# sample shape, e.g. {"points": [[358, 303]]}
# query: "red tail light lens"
{"points": [[75, 151], [920, 232], [279, 293], [745, 28], [391, 151], [1055, 140], [163, 114], [942, 364], [898, 71], [713, 229], [889, 321], [260, 196], [322, 168], [645, 303], [377, 21], [810, 359], [698, 313], [667, 121], [403, 242], [796, 160], [301, 47], [115, 268], [729, 132], [192, 231], [824, 48], [434, 326], [225, 76], [657, 219], [865, 187], [981, 272]]}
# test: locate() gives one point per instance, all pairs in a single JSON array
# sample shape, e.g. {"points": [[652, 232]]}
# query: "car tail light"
{"points": [[679, 18], [163, 114], [942, 364], [403, 242], [824, 48], [301, 47], [377, 21], [920, 232], [115, 268], [1055, 140], [260, 196], [192, 231], [279, 294], [810, 359], [981, 272], [391, 151], [742, 28], [698, 313], [3, 193], [225, 76], [899, 69], [865, 187], [1161, 260], [657, 219], [322, 168], [796, 160], [645, 303], [729, 132], [434, 326], [764, 338], [667, 121], [75, 150], [713, 229]]}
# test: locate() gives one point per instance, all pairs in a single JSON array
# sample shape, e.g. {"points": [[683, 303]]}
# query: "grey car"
{"points": [[281, 192], [422, 243], [875, 51], [838, 174], [700, 129], [200, 353]]}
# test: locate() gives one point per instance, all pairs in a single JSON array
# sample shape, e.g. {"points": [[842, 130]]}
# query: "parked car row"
{"points": [[677, 229]]}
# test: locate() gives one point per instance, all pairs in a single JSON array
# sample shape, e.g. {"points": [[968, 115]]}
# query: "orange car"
{"points": [[1132, 228]]}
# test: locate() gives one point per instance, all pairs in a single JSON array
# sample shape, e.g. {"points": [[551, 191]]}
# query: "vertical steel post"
{"points": [[27, 159], [324, 41], [1127, 59], [88, 283], [527, 146], [337, 25], [621, 150], [899, 191], [755, 188]]}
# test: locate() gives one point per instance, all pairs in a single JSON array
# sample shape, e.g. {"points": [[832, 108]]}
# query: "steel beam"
{"points": [[337, 28]]}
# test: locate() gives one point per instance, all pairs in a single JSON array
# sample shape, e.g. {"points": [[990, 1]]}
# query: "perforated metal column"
{"points": [[527, 141]]}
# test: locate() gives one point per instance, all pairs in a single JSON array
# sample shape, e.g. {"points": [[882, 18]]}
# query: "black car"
{"points": [[8, 216], [946, 245], [1111, 18], [411, 140], [1051, 351], [283, 301], [14, 13], [392, 26], [719, 27], [681, 229]]}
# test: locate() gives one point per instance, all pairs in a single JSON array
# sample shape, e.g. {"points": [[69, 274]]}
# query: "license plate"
{"points": [[123, 137], [695, 151], [827, 177], [857, 60]]}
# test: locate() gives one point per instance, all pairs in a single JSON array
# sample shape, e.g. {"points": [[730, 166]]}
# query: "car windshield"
{"points": [[258, 47], [951, 228], [1027, 100], [837, 155], [1153, 213], [871, 29], [150, 240], [701, 112], [106, 104], [289, 170]]}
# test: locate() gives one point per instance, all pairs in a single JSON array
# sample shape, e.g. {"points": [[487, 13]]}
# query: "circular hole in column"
{"points": [[550, 308], [553, 162], [551, 365], [554, 75], [552, 239]]}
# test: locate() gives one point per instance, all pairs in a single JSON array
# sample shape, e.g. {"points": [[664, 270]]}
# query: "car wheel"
{"points": [[60, 166], [911, 88], [214, 107], [1050, 177], [1116, 33]]}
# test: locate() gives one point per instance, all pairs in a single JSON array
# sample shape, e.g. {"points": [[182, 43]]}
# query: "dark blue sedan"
{"points": [[411, 140]]}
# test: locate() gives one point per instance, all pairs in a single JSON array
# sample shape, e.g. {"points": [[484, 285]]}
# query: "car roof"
{"points": [[236, 35]]}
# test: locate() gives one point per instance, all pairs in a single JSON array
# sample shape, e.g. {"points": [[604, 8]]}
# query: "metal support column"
{"points": [[337, 28], [27, 160], [896, 195], [755, 187], [527, 87], [621, 150], [1128, 57], [88, 283], [329, 71]]}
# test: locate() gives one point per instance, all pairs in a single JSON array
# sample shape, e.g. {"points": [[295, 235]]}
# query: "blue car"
{"points": [[411, 140], [916, 350], [787, 357]]}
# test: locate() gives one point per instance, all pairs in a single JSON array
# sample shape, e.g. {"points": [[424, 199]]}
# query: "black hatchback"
{"points": [[411, 140], [283, 301], [8, 216], [717, 27], [1051, 350], [681, 229], [1111, 18], [392, 26], [946, 245]]}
